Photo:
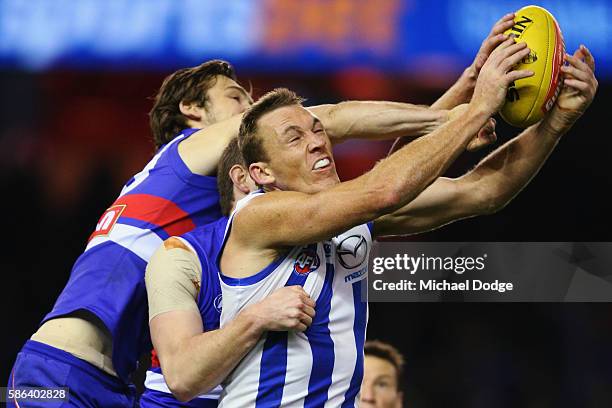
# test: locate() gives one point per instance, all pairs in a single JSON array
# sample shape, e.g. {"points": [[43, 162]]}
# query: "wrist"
{"points": [[251, 322], [469, 77], [552, 129], [558, 121], [477, 112], [439, 118]]}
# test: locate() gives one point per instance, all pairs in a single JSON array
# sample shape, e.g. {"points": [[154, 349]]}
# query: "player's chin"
{"points": [[319, 185], [326, 180]]}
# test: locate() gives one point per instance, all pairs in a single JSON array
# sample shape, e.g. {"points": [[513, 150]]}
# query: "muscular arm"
{"points": [[346, 120], [494, 182], [490, 186], [377, 120], [193, 361]]}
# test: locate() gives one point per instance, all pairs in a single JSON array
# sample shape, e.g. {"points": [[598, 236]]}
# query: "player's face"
{"points": [[225, 99], [379, 386], [299, 151]]}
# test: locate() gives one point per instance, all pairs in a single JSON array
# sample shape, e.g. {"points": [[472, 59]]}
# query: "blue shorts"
{"points": [[40, 365], [156, 399]]}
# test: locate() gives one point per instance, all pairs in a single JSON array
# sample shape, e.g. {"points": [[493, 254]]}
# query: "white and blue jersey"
{"points": [[205, 242], [322, 366]]}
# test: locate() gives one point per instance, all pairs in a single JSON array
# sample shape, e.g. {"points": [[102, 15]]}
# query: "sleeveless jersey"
{"points": [[206, 242], [163, 200], [323, 366]]}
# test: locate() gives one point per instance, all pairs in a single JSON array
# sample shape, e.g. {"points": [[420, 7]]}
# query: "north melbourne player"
{"points": [[305, 227]]}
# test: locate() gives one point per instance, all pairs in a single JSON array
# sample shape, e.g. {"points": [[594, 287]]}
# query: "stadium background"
{"points": [[76, 77]]}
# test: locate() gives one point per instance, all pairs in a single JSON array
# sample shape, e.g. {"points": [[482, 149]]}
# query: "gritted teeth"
{"points": [[321, 163]]}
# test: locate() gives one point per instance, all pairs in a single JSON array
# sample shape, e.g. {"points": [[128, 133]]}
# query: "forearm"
{"points": [[201, 362], [460, 92], [201, 151], [376, 120], [506, 171], [413, 167]]}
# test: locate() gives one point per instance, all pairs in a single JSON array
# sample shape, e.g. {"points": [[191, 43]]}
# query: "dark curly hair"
{"points": [[188, 85]]}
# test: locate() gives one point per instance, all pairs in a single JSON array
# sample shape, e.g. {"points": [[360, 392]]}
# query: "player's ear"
{"points": [[191, 110], [261, 174], [240, 178]]}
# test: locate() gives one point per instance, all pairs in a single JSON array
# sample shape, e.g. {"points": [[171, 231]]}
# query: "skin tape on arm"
{"points": [[173, 281]]}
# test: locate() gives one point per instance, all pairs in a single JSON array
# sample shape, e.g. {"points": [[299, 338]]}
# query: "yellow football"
{"points": [[529, 99]]}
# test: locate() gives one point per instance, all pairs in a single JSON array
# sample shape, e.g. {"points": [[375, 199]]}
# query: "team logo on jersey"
{"points": [[217, 303], [107, 220], [352, 251], [307, 261]]}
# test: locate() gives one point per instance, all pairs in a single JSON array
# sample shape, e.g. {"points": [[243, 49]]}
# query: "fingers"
{"points": [[486, 136], [492, 42], [578, 73], [507, 18], [576, 62], [309, 311], [503, 24], [507, 48], [572, 72], [305, 320], [576, 84], [515, 75], [582, 59], [309, 302], [483, 139], [504, 45], [588, 57], [490, 126], [513, 55]]}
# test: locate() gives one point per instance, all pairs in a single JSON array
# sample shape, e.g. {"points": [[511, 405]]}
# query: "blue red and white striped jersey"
{"points": [[163, 200], [206, 242], [322, 366]]}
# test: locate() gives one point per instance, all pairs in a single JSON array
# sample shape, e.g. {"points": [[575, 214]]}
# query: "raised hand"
{"points": [[496, 36], [579, 86], [496, 76]]}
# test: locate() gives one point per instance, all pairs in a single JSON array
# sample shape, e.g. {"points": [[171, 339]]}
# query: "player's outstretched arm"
{"points": [[377, 120], [461, 91], [485, 137], [495, 181], [372, 120], [194, 362]]}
